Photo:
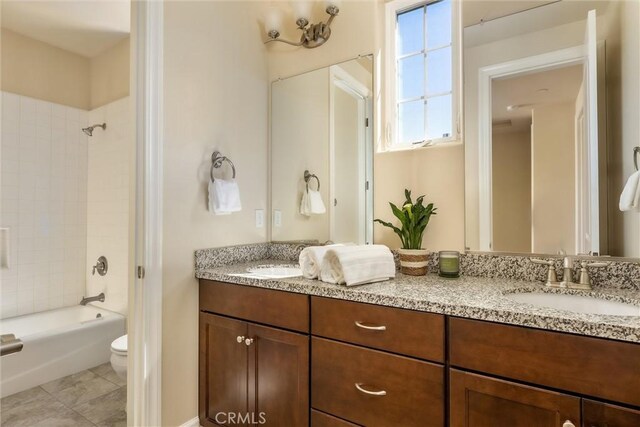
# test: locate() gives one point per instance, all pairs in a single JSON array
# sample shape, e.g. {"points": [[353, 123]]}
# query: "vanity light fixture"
{"points": [[313, 35]]}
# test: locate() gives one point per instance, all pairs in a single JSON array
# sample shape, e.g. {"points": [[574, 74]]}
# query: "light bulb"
{"points": [[273, 21], [301, 9]]}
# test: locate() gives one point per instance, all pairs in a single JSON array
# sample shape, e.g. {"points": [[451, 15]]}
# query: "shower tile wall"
{"points": [[44, 204], [108, 203]]}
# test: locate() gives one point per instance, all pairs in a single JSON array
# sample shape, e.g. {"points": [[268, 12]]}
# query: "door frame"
{"points": [[145, 292], [546, 61]]}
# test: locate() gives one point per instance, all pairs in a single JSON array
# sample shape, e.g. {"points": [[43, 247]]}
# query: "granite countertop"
{"points": [[469, 297]]}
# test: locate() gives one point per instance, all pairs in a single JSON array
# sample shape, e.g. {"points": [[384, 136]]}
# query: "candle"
{"points": [[449, 263]]}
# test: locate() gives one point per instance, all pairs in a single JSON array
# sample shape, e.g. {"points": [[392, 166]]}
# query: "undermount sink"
{"points": [[576, 303], [271, 272]]}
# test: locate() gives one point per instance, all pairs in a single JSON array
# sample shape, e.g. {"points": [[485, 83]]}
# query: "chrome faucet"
{"points": [[102, 266], [584, 280], [567, 272], [87, 300]]}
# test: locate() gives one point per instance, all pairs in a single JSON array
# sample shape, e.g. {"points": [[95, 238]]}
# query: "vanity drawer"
{"points": [[414, 390], [320, 419], [598, 414], [585, 365], [400, 331], [276, 308]]}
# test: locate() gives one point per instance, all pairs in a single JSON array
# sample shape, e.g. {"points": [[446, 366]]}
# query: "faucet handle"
{"points": [[552, 274], [585, 279]]}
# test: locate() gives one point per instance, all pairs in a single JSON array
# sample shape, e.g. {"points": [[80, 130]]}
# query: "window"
{"points": [[422, 73]]}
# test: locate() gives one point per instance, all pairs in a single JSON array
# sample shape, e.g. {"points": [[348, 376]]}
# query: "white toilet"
{"points": [[119, 356]]}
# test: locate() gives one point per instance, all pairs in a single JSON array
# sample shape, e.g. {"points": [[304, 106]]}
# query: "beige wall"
{"points": [[110, 75], [38, 70], [42, 71], [553, 179], [511, 191], [623, 97], [216, 97]]}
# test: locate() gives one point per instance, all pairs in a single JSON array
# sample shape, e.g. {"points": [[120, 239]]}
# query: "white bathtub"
{"points": [[57, 343]]}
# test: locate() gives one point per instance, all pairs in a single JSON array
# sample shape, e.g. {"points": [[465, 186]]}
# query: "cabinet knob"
{"points": [[568, 423], [248, 341], [240, 339]]}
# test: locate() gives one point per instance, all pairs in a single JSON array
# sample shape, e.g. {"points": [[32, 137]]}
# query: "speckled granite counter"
{"points": [[470, 297]]}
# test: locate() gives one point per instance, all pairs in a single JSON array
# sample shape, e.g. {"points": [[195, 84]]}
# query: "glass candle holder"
{"points": [[449, 263]]}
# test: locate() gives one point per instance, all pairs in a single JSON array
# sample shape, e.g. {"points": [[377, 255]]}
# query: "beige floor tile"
{"points": [[31, 413], [118, 420], [64, 418], [22, 398], [107, 372], [84, 391], [103, 407], [68, 381]]}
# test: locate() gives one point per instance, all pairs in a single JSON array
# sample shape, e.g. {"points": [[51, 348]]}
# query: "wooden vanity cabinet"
{"points": [[481, 401], [598, 414], [248, 369]]}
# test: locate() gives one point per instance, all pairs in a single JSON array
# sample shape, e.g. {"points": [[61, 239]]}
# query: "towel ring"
{"points": [[307, 178], [636, 154], [216, 162]]}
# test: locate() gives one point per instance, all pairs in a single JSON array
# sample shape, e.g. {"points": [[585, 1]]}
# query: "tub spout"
{"points": [[87, 300]]}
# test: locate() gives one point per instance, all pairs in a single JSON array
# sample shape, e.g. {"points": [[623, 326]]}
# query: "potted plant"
{"points": [[414, 218]]}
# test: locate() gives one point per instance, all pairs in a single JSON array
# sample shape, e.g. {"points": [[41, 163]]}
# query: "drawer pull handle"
{"points": [[240, 339], [568, 423], [370, 328], [372, 393]]}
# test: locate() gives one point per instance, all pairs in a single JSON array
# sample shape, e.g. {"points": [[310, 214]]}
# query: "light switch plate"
{"points": [[259, 218], [277, 218]]}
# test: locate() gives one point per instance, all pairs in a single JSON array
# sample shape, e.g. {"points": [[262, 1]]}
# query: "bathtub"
{"points": [[57, 343]]}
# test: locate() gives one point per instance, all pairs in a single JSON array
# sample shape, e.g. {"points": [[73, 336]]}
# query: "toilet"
{"points": [[119, 356]]}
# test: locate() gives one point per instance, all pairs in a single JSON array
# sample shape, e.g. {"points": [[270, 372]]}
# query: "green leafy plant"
{"points": [[414, 218]]}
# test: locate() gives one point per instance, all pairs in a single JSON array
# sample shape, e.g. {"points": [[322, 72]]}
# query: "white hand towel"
{"points": [[311, 260], [357, 265], [224, 197], [315, 202], [305, 204], [630, 197]]}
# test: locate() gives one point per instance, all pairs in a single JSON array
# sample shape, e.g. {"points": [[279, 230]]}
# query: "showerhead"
{"points": [[89, 130]]}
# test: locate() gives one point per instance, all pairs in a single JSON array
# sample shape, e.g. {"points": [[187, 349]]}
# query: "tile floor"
{"points": [[93, 398]]}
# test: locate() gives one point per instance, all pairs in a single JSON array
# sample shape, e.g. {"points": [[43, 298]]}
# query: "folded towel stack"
{"points": [[224, 197], [312, 203], [630, 197], [350, 265]]}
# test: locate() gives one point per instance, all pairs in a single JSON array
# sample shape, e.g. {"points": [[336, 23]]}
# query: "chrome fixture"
{"points": [[361, 389], [584, 281], [636, 154], [102, 266], [552, 275], [9, 344], [216, 162], [313, 35], [86, 300], [308, 176], [89, 130]]}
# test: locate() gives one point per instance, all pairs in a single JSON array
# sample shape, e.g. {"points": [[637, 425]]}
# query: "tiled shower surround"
{"points": [[44, 162]]}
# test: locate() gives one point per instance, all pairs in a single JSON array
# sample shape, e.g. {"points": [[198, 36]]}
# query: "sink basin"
{"points": [[576, 303], [271, 272]]}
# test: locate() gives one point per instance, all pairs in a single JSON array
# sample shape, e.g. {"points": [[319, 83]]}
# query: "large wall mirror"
{"points": [[549, 130], [321, 154]]}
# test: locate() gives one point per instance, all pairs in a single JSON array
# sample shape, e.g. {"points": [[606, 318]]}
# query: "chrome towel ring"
{"points": [[216, 162], [636, 154], [307, 178]]}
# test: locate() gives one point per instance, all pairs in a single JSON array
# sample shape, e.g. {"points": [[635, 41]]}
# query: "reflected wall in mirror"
{"points": [[551, 119], [321, 123]]}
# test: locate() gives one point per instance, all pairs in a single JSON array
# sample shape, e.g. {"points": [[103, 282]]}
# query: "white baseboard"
{"points": [[194, 422]]}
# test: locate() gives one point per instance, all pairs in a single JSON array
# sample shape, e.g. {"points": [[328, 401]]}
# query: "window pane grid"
{"points": [[426, 114]]}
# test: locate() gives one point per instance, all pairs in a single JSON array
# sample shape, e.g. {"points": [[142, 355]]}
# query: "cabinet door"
{"points": [[597, 414], [278, 377], [223, 369], [479, 401]]}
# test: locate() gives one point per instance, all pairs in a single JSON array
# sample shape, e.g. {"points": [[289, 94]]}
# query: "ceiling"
{"points": [[562, 84], [476, 11], [84, 27]]}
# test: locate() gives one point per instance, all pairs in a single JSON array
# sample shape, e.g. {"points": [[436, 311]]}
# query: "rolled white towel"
{"points": [[311, 259], [630, 197], [357, 265]]}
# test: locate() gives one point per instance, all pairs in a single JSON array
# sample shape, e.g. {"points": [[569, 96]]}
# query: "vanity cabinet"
{"points": [[248, 369], [598, 414]]}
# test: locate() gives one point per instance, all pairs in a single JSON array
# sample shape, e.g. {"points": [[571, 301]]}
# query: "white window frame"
{"points": [[392, 9]]}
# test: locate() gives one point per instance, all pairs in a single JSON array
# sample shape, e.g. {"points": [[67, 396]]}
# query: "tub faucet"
{"points": [[86, 300]]}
